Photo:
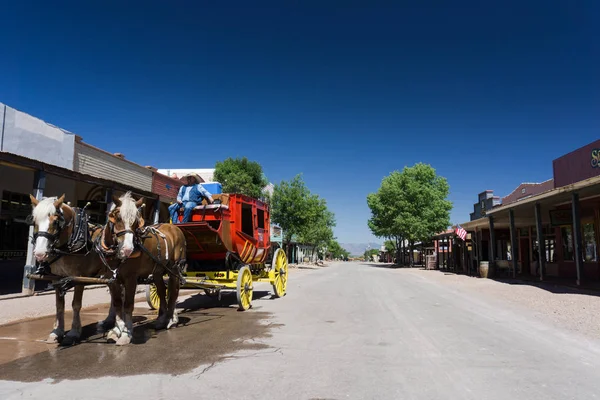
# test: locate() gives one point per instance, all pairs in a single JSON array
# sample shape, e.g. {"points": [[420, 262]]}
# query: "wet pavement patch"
{"points": [[208, 332]]}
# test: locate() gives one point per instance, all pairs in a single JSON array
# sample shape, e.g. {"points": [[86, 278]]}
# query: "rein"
{"points": [[107, 252]]}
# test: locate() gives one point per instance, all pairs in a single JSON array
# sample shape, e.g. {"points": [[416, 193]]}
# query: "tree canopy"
{"points": [[390, 246], [411, 204], [241, 175], [302, 213]]}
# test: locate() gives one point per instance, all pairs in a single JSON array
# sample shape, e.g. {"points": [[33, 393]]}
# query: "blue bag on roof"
{"points": [[213, 187]]}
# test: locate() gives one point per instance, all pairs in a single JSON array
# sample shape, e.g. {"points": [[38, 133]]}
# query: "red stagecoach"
{"points": [[229, 247]]}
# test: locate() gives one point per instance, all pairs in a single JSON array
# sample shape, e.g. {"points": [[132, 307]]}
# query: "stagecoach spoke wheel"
{"points": [[244, 288], [152, 296], [280, 269]]}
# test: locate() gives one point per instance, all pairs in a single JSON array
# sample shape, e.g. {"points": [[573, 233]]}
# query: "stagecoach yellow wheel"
{"points": [[152, 296], [244, 288], [280, 269]]}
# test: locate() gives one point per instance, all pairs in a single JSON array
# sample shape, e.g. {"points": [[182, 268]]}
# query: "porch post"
{"points": [[540, 239], [451, 253], [437, 253], [492, 241], [477, 251], [577, 247], [464, 256], [513, 242], [39, 184]]}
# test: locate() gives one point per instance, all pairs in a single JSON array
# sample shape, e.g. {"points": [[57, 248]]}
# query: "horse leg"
{"points": [[109, 322], [58, 332], [163, 311], [74, 334], [116, 294], [127, 333], [172, 302]]}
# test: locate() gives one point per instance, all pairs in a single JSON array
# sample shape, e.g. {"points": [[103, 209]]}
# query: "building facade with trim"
{"points": [[553, 230], [41, 159]]}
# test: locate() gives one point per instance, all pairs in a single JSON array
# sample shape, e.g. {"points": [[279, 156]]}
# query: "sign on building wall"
{"points": [[28, 136], [561, 217], [578, 165]]}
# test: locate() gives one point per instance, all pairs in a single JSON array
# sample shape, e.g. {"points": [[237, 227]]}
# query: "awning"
{"points": [[559, 196]]}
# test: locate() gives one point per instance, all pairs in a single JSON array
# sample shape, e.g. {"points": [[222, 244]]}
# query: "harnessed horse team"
{"points": [[121, 253]]}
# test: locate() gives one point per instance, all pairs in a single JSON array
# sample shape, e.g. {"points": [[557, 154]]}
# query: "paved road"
{"points": [[348, 331]]}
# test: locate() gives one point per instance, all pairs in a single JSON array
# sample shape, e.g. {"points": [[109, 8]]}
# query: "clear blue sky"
{"points": [[489, 93]]}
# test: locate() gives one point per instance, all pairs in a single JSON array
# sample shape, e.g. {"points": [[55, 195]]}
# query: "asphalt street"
{"points": [[346, 331]]}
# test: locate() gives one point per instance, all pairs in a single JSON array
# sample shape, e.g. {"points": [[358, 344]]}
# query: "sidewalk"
{"points": [[19, 306]]}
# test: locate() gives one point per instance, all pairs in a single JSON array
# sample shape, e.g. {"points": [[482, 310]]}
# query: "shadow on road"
{"points": [[550, 284], [557, 286]]}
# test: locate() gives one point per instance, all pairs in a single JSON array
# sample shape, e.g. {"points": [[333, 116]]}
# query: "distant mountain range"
{"points": [[357, 249]]}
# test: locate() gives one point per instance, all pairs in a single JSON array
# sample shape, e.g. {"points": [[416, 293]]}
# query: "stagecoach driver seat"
{"points": [[190, 195]]}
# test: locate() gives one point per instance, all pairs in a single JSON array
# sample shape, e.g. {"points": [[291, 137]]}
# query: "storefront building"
{"points": [[552, 231], [43, 160]]}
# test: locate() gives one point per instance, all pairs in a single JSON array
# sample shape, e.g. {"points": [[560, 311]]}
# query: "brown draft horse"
{"points": [[63, 239], [141, 251]]}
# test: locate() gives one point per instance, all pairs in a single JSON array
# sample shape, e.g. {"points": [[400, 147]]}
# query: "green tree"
{"points": [[369, 254], [241, 175], [335, 250], [410, 205], [318, 229], [289, 207], [302, 214]]}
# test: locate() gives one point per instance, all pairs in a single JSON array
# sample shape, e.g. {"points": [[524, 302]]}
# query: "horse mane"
{"points": [[44, 209], [129, 211]]}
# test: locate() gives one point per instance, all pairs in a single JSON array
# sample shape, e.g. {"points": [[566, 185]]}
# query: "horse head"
{"points": [[124, 219], [50, 216]]}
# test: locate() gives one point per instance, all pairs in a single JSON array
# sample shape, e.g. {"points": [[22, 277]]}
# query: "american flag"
{"points": [[461, 232]]}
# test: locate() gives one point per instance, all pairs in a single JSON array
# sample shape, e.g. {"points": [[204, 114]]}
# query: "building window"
{"points": [[549, 244], [502, 249], [13, 229], [589, 242], [567, 243], [523, 232]]}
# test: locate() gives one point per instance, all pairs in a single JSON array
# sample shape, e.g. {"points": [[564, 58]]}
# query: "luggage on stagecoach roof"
{"points": [[213, 187]]}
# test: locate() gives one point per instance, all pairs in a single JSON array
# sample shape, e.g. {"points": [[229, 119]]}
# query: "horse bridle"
{"points": [[118, 234], [53, 238]]}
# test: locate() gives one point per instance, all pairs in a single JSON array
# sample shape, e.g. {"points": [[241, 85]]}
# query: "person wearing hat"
{"points": [[190, 195]]}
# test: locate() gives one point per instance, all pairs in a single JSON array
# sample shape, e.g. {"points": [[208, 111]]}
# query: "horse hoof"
{"points": [[125, 339], [112, 336], [54, 338], [173, 322]]}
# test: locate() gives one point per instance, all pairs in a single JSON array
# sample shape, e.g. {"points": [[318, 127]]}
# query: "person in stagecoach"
{"points": [[190, 195]]}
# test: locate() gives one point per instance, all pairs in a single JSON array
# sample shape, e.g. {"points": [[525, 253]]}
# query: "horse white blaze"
{"points": [[129, 214], [41, 216], [41, 243], [127, 247]]}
